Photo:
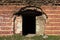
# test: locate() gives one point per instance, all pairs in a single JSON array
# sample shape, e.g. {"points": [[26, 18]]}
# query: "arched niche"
{"points": [[32, 19]]}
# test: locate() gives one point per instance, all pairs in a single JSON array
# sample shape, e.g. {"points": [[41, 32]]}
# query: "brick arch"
{"points": [[31, 8]]}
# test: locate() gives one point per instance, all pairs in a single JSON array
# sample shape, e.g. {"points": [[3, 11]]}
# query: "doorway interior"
{"points": [[29, 23]]}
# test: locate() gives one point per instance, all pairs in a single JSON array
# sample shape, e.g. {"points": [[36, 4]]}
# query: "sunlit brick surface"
{"points": [[6, 20], [53, 22]]}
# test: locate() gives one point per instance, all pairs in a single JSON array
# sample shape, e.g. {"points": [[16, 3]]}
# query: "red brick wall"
{"points": [[52, 25], [6, 19], [53, 22]]}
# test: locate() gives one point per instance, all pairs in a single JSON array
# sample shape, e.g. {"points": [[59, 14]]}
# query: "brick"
{"points": [[52, 28], [6, 32], [10, 8], [52, 24], [6, 20], [51, 8], [54, 20], [52, 12], [6, 24], [53, 16], [52, 32], [6, 28], [5, 16]]}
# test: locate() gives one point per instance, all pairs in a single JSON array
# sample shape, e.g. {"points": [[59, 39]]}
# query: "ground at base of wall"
{"points": [[18, 37]]}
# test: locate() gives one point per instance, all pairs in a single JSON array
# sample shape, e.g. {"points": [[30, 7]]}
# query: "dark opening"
{"points": [[29, 25], [29, 21]]}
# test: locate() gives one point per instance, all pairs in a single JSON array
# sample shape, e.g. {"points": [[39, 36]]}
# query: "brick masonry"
{"points": [[53, 22], [6, 20]]}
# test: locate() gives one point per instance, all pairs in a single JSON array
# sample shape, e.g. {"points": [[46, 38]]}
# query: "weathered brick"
{"points": [[52, 13], [52, 28], [6, 28], [10, 8], [6, 32], [52, 32], [53, 24], [6, 24], [54, 16], [54, 20], [51, 8]]}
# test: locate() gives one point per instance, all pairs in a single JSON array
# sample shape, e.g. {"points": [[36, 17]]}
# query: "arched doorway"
{"points": [[29, 14], [29, 21]]}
